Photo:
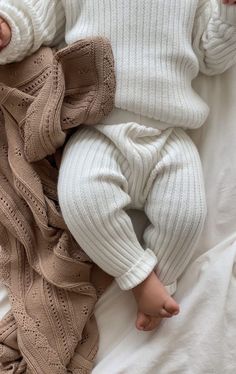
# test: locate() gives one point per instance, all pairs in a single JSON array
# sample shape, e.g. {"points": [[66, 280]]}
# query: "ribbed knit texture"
{"points": [[152, 43], [125, 166]]}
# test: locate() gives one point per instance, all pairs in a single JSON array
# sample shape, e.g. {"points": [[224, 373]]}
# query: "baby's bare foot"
{"points": [[147, 323], [154, 303]]}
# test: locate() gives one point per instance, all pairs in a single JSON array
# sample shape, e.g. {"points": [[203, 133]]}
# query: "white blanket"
{"points": [[202, 338]]}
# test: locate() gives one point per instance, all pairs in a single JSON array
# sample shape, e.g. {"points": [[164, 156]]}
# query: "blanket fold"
{"points": [[51, 327]]}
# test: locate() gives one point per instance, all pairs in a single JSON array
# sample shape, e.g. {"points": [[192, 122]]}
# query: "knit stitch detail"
{"points": [[44, 269], [138, 273]]}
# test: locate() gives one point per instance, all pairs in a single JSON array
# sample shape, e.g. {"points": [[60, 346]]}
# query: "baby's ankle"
{"points": [[140, 288]]}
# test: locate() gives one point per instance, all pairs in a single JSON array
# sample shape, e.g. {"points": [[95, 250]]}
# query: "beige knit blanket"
{"points": [[51, 328]]}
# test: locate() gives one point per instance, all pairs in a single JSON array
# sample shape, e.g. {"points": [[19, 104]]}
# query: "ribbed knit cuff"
{"points": [[138, 272], [171, 288], [22, 37], [227, 13]]}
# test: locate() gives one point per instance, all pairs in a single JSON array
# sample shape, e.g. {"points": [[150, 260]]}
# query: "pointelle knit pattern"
{"points": [[50, 328]]}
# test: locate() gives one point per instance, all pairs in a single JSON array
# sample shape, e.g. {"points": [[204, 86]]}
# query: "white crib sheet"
{"points": [[202, 339]]}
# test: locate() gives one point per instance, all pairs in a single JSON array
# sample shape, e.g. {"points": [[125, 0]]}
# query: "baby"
{"points": [[140, 157]]}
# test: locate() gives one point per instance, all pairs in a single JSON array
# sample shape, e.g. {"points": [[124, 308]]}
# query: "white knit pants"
{"points": [[108, 169]]}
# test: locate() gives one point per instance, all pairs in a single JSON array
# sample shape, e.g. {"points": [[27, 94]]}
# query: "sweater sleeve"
{"points": [[33, 23], [214, 36]]}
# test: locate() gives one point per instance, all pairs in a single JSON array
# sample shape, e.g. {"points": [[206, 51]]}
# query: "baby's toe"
{"points": [[153, 324], [142, 321], [170, 307], [164, 314]]}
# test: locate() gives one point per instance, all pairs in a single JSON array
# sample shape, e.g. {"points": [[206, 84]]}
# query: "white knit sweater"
{"points": [[159, 46]]}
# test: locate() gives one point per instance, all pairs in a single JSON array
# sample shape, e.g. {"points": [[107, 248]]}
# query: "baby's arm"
{"points": [[31, 23], [214, 35]]}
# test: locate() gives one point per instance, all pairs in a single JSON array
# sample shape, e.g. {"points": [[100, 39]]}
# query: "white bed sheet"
{"points": [[202, 338]]}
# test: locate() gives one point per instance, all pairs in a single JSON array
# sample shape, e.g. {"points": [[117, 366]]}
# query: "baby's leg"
{"points": [[93, 187], [175, 207], [93, 196]]}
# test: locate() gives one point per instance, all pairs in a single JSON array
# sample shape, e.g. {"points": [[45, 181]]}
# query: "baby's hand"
{"points": [[229, 2], [5, 33]]}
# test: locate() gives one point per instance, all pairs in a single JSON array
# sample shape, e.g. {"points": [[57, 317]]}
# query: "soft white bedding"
{"points": [[202, 339]]}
